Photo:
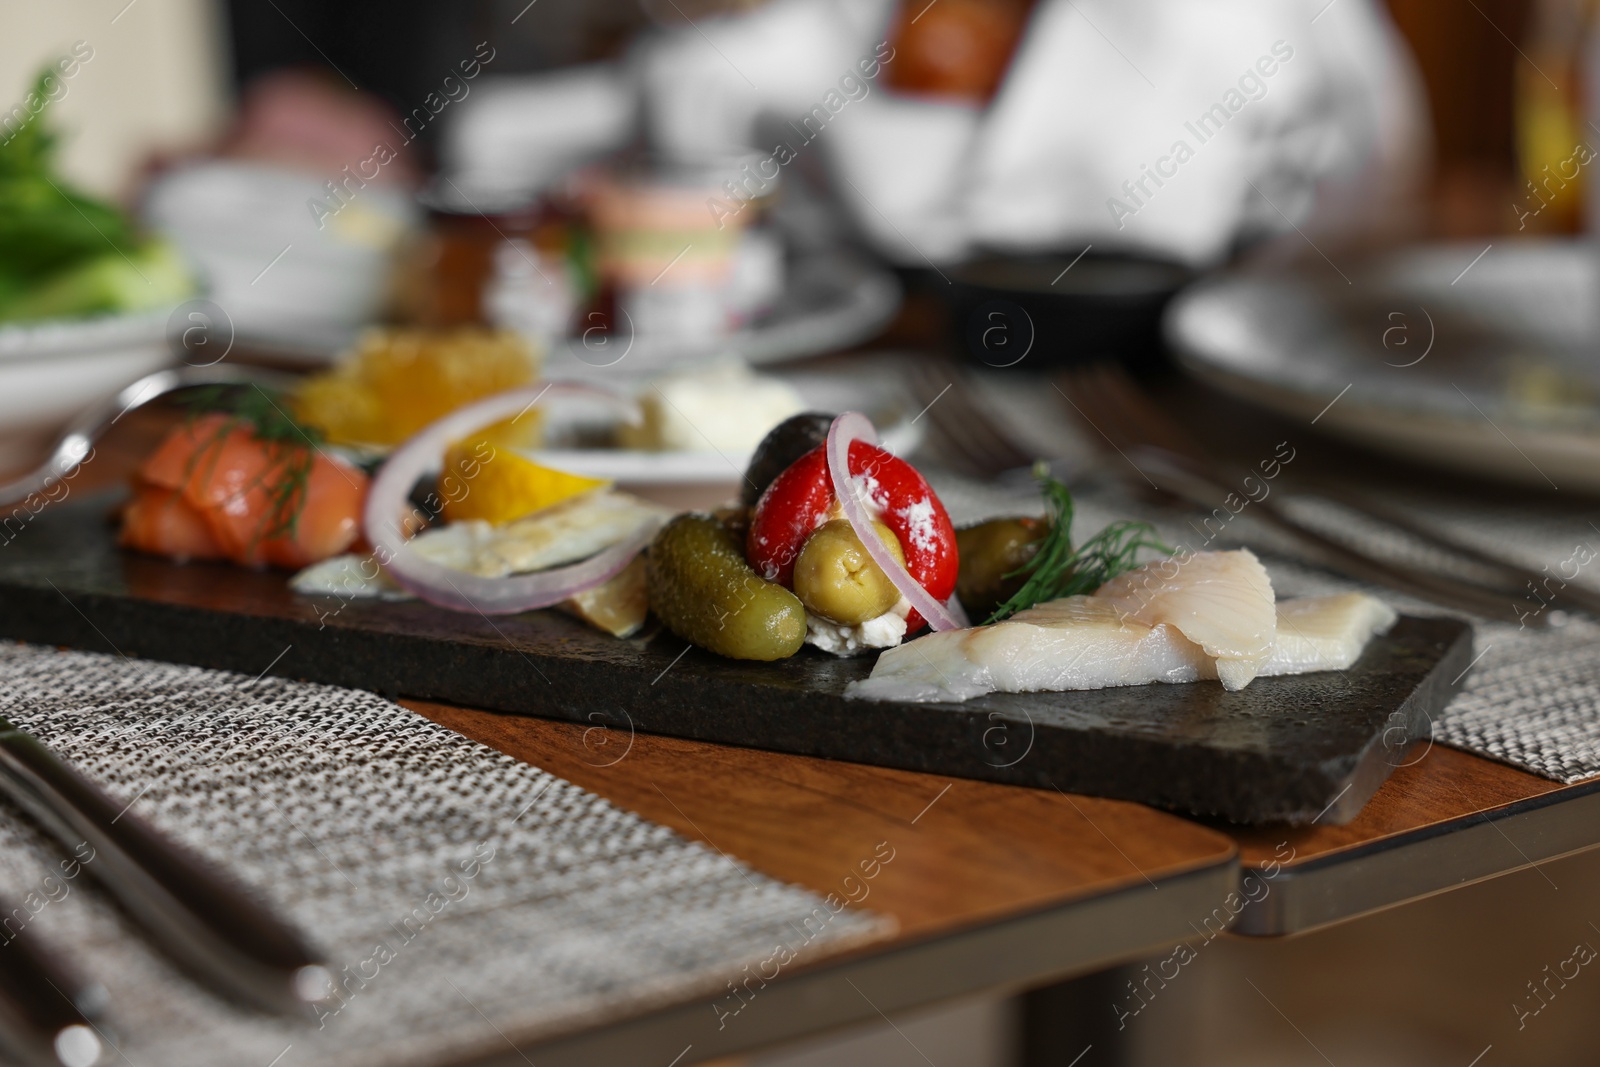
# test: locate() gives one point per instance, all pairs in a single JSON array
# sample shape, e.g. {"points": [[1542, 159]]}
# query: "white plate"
{"points": [[52, 370], [832, 300], [296, 283], [1487, 365], [873, 387]]}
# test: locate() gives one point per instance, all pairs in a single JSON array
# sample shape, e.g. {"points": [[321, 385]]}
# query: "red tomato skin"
{"points": [[799, 500], [792, 507]]}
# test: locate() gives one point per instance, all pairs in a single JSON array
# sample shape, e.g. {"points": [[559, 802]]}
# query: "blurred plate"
{"points": [[51, 371], [1483, 362], [873, 389], [831, 300], [295, 271]]}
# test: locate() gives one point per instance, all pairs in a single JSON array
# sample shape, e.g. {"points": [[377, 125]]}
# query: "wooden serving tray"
{"points": [[1294, 749]]}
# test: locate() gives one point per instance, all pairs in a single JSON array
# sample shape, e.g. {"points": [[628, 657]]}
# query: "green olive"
{"points": [[703, 589], [835, 578], [989, 552]]}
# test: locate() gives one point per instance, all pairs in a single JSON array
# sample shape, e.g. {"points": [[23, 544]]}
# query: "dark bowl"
{"points": [[1052, 311]]}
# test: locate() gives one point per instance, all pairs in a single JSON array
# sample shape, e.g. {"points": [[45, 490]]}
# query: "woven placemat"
{"points": [[1532, 696], [464, 899]]}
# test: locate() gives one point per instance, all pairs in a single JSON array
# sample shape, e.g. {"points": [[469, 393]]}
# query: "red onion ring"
{"points": [[387, 502], [847, 429]]}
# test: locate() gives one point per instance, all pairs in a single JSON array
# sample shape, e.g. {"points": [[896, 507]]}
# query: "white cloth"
{"points": [[1098, 91]]}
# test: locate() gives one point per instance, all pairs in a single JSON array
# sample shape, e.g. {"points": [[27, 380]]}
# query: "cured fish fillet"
{"points": [[1222, 601], [1325, 633], [214, 490], [1212, 619]]}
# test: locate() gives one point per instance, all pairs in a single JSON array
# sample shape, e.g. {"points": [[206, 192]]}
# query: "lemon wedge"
{"points": [[485, 480]]}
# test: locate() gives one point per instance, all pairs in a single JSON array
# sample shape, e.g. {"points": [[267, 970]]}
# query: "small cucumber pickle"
{"points": [[705, 592]]}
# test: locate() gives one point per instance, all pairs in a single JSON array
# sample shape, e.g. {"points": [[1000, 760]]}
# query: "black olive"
{"points": [[784, 443]]}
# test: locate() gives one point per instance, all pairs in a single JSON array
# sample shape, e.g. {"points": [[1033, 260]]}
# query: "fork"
{"points": [[968, 437], [76, 445], [1152, 442], [49, 1016]]}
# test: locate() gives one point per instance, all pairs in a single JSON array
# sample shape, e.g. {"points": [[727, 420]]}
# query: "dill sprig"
{"points": [[1057, 569], [290, 444]]}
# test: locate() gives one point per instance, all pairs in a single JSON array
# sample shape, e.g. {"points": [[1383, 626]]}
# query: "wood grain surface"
{"points": [[965, 852]]}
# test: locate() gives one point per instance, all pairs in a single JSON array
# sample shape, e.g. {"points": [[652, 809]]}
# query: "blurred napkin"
{"points": [[515, 134], [1313, 117]]}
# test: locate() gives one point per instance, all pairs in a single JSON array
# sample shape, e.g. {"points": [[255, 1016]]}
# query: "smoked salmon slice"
{"points": [[213, 489], [161, 521]]}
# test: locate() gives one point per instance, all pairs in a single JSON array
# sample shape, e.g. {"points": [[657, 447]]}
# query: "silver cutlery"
{"points": [[48, 1016], [77, 443], [196, 914], [1194, 483], [966, 437], [1113, 409], [1518, 577]]}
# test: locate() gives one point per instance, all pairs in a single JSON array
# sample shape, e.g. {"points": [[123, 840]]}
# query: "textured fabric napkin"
{"points": [[465, 899]]}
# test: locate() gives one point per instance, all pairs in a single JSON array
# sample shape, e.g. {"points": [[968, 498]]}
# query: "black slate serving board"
{"points": [[1297, 749]]}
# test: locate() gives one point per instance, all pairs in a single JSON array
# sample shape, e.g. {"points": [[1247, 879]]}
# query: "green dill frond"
{"points": [[291, 447], [1057, 569], [261, 411]]}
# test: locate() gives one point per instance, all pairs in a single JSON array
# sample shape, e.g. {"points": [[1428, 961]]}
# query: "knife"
{"points": [[48, 1017], [196, 914], [1191, 481]]}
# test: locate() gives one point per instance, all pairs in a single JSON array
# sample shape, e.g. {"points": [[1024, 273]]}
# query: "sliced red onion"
{"points": [[847, 429], [388, 501]]}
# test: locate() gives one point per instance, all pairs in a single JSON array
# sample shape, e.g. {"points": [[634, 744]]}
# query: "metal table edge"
{"points": [[1399, 869], [1008, 955]]}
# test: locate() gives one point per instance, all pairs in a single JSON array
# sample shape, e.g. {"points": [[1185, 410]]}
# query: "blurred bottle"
{"points": [[1554, 142], [955, 48], [476, 244]]}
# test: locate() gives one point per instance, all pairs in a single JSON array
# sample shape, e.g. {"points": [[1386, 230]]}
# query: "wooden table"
{"points": [[1445, 818], [993, 887], [999, 888]]}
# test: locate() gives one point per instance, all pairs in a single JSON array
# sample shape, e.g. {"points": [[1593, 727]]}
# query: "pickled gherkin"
{"points": [[704, 590]]}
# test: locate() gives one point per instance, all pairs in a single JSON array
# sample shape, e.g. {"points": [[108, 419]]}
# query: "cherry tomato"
{"points": [[800, 499]]}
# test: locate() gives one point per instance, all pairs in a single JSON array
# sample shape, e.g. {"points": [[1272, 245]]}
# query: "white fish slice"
{"points": [[551, 537], [1222, 601], [1078, 642], [1325, 633], [1094, 642]]}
